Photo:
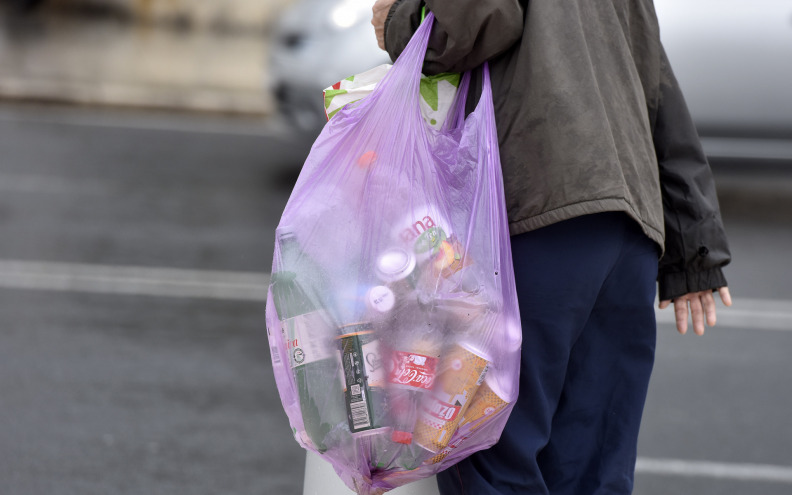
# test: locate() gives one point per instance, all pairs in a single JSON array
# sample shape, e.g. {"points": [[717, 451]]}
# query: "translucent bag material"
{"points": [[437, 93], [392, 315]]}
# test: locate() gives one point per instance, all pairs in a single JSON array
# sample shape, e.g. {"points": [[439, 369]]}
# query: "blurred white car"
{"points": [[316, 44], [733, 59]]}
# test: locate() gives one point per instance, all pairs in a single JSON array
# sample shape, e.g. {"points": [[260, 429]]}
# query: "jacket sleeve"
{"points": [[466, 32], [695, 248]]}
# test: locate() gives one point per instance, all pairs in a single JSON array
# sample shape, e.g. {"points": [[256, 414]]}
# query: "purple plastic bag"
{"points": [[392, 315]]}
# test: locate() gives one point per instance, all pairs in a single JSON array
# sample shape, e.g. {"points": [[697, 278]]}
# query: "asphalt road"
{"points": [[133, 353]]}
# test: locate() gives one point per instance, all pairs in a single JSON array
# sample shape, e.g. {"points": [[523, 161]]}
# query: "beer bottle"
{"points": [[298, 289]]}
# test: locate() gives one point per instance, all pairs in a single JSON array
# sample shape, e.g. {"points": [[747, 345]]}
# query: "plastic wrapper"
{"points": [[437, 93], [392, 314]]}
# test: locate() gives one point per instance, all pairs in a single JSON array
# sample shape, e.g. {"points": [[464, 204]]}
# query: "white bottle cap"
{"points": [[380, 299]]}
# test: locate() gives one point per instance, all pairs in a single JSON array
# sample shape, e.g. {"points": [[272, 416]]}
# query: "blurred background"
{"points": [[147, 149]]}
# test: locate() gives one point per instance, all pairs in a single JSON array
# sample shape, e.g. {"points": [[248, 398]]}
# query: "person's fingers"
{"points": [[379, 13], [681, 314], [380, 33], [725, 296], [381, 7], [664, 304], [708, 303], [697, 314]]}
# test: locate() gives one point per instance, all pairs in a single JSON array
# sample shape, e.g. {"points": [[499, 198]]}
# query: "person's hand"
{"points": [[380, 11], [702, 306]]}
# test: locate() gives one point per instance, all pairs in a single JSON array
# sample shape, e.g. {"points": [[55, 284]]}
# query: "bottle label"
{"points": [[276, 359], [308, 338], [412, 370], [375, 368], [362, 372]]}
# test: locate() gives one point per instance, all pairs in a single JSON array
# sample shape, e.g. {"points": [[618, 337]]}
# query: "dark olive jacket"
{"points": [[590, 118]]}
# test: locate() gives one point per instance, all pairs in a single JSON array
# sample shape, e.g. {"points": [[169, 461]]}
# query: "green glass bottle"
{"points": [[298, 291]]}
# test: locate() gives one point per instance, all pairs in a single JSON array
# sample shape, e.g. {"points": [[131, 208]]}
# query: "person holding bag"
{"points": [[604, 175]]}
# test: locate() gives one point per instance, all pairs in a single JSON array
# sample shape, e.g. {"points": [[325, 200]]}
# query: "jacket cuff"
{"points": [[673, 285], [402, 20]]}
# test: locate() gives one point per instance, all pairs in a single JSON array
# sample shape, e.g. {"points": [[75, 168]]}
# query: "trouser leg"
{"points": [[592, 448], [562, 272]]}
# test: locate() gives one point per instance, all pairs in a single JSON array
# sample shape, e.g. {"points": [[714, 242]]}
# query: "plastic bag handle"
{"points": [[403, 79], [456, 114], [485, 100], [457, 111]]}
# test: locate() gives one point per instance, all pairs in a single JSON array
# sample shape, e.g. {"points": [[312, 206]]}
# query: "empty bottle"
{"points": [[298, 289]]}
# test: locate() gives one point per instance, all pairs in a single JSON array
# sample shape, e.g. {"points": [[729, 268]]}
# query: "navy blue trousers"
{"points": [[586, 289]]}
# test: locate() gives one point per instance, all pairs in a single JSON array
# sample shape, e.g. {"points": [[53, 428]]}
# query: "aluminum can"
{"points": [[461, 373], [396, 267], [363, 378]]}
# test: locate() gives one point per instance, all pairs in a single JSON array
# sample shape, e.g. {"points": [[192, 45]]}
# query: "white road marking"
{"points": [[130, 120], [750, 314], [718, 470], [42, 184], [133, 280]]}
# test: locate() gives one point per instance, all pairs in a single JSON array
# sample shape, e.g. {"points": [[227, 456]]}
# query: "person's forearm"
{"points": [[696, 246]]}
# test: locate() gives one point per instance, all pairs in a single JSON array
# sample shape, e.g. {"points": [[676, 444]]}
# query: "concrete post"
{"points": [[321, 479]]}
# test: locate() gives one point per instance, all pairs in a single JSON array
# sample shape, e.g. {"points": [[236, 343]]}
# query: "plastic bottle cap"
{"points": [[380, 298], [401, 437]]}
